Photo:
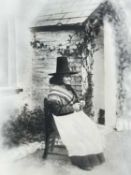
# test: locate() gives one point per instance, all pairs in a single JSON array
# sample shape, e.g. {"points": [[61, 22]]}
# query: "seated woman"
{"points": [[78, 132]]}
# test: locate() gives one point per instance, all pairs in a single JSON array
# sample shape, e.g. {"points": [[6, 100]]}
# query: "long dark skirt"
{"points": [[87, 162]]}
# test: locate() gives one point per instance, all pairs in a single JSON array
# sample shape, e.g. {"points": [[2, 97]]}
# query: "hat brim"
{"points": [[64, 73]]}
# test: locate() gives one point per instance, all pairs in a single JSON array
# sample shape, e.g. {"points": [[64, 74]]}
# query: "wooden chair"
{"points": [[51, 132]]}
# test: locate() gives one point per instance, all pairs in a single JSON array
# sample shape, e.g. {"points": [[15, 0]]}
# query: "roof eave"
{"points": [[58, 27]]}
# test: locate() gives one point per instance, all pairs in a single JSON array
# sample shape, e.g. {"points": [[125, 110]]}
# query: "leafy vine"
{"points": [[86, 46]]}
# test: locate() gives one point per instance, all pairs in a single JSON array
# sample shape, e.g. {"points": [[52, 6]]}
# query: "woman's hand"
{"points": [[82, 103], [77, 107]]}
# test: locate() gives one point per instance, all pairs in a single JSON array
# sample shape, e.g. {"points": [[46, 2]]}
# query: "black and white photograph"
{"points": [[65, 87]]}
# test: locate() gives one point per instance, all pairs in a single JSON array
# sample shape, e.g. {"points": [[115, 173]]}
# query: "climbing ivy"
{"points": [[86, 46], [84, 49]]}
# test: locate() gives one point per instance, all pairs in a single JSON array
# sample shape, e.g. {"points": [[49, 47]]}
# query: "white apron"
{"points": [[79, 134]]}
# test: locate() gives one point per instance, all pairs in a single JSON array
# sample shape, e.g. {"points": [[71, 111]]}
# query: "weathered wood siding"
{"points": [[44, 61]]}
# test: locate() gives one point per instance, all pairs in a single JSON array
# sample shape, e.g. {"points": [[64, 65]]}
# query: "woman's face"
{"points": [[67, 79]]}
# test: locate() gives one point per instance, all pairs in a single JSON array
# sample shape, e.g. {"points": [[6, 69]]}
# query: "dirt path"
{"points": [[117, 153]]}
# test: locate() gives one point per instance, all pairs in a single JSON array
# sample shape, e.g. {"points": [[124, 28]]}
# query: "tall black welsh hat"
{"points": [[62, 67]]}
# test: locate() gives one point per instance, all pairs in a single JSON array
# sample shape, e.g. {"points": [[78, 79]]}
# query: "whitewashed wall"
{"points": [[99, 75], [15, 54]]}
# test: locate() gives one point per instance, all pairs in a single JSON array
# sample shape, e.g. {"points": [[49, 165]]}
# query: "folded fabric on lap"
{"points": [[79, 134]]}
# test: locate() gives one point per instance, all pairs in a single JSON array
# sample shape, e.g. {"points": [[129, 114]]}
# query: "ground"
{"points": [[117, 153]]}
